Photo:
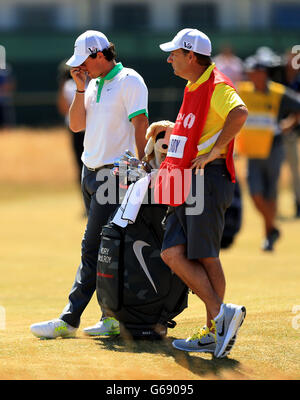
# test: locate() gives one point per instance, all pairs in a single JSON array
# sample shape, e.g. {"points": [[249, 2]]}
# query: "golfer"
{"points": [[113, 113]]}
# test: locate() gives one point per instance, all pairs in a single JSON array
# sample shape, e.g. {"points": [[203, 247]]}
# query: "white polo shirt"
{"points": [[110, 104]]}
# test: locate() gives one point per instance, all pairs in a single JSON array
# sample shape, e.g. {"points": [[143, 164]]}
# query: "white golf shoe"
{"points": [[107, 326], [53, 329]]}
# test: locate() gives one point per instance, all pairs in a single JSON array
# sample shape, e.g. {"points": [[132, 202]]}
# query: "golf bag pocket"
{"points": [[109, 269]]}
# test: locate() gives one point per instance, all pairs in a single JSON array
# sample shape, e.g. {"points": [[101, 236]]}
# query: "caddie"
{"points": [[202, 139]]}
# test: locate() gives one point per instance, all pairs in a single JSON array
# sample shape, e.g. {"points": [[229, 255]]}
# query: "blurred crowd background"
{"points": [[39, 34]]}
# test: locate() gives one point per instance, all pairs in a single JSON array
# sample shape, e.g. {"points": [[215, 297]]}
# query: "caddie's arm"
{"points": [[140, 123], [77, 113], [232, 125]]}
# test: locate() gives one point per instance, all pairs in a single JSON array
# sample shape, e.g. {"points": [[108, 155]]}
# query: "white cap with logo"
{"points": [[86, 44], [189, 39]]}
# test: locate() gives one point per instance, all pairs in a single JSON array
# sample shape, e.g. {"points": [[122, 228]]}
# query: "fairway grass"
{"points": [[41, 231]]}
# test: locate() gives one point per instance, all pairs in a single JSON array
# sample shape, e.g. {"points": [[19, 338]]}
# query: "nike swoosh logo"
{"points": [[205, 344], [138, 251]]}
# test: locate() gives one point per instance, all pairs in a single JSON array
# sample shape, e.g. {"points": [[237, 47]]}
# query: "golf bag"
{"points": [[134, 285]]}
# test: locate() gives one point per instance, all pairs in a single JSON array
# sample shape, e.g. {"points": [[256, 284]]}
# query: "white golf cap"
{"points": [[189, 39], [86, 44]]}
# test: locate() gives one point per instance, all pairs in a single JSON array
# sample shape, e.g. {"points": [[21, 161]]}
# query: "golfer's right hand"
{"points": [[79, 76]]}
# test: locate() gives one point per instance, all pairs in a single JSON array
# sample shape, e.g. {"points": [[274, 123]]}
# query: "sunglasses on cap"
{"points": [[93, 52]]}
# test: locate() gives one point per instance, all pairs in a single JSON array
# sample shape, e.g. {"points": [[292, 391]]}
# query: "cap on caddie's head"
{"points": [[189, 39], [86, 44]]}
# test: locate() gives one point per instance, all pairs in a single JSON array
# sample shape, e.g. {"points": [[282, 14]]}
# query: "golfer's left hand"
{"points": [[200, 161]]}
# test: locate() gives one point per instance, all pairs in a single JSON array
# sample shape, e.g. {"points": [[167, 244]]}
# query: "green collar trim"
{"points": [[100, 81]]}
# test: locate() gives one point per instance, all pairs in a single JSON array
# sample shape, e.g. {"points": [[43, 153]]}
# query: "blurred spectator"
{"points": [[66, 92], [228, 63], [291, 79], [268, 57], [261, 140], [7, 89], [273, 62], [282, 71]]}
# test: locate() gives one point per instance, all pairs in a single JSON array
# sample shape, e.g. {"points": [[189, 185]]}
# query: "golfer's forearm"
{"points": [[141, 124], [233, 124], [77, 114]]}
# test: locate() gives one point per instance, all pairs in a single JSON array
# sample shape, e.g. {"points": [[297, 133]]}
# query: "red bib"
{"points": [[173, 181]]}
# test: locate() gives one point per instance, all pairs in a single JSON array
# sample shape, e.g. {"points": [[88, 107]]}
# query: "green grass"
{"points": [[41, 231]]}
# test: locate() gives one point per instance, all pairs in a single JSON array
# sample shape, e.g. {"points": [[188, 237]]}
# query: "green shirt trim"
{"points": [[143, 111], [100, 81]]}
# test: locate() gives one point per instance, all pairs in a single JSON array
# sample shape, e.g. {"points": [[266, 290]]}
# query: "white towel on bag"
{"points": [[131, 204]]}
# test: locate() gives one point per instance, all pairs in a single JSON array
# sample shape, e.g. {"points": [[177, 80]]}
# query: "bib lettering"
{"points": [[176, 146]]}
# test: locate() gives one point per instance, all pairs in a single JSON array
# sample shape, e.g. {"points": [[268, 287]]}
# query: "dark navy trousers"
{"points": [[85, 280]]}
